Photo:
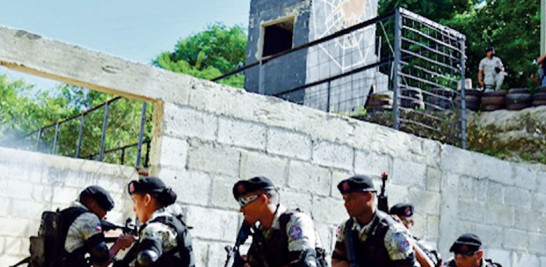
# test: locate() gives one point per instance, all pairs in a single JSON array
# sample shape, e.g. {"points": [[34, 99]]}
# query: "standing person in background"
{"points": [[491, 71], [541, 61], [467, 252]]}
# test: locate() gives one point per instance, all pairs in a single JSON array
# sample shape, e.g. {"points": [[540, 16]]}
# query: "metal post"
{"points": [[328, 97], [38, 140], [462, 46], [54, 148], [261, 89], [80, 135], [123, 156], [396, 67], [543, 27], [147, 158], [104, 124], [141, 132]]}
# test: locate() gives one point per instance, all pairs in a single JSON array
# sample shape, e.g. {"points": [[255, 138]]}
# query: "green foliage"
{"points": [[208, 54], [436, 10], [22, 111]]}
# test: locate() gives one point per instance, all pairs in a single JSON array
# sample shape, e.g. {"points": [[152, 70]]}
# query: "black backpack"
{"points": [[320, 252], [47, 248]]}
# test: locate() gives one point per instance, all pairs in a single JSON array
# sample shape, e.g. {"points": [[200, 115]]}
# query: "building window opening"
{"points": [[278, 37]]}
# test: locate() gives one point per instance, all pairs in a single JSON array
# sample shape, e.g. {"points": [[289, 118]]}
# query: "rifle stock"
{"points": [[234, 258], [382, 200]]}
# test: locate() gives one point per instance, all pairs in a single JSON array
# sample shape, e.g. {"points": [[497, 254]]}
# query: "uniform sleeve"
{"points": [[400, 246], [481, 65], [161, 232], [87, 225], [301, 232], [340, 252]]}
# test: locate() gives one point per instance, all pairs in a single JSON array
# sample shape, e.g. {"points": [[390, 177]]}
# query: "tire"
{"points": [[537, 103], [495, 93], [473, 92], [493, 100], [380, 102], [539, 96], [518, 106], [492, 107], [380, 96], [518, 91], [518, 98], [472, 102], [441, 92]]}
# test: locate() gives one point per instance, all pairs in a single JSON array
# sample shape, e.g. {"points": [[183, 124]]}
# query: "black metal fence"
{"points": [[400, 70], [80, 136]]}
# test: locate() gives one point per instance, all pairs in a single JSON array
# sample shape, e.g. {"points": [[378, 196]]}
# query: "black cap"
{"points": [[146, 185], [402, 209], [258, 183], [466, 243], [101, 196], [357, 183], [489, 49]]}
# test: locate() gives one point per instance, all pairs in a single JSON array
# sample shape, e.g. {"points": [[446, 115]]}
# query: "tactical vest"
{"points": [[371, 252], [76, 257], [182, 255], [274, 251], [488, 263]]}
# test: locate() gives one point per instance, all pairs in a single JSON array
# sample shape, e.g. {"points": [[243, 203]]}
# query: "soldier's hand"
{"points": [[124, 241]]}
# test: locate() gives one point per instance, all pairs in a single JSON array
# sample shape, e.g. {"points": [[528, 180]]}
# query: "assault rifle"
{"points": [[382, 201], [234, 258], [128, 228]]}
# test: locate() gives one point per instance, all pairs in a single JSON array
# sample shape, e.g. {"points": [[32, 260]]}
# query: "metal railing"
{"points": [[50, 143], [418, 61]]}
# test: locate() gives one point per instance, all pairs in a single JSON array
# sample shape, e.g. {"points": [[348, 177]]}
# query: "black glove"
{"points": [[497, 69]]}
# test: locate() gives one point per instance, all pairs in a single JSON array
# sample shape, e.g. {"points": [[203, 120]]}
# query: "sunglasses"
{"points": [[243, 201], [466, 255]]}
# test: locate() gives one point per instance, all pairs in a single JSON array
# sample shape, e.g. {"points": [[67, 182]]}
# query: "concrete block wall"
{"points": [[207, 136], [32, 182]]}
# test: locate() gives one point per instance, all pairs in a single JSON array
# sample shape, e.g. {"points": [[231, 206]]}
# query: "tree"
{"points": [[209, 54], [437, 10], [24, 111]]}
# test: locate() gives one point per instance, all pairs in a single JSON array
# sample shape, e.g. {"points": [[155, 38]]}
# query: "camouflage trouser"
{"points": [[495, 82]]}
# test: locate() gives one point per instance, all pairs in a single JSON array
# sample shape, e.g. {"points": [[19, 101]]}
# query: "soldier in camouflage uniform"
{"points": [[164, 239], [369, 237], [468, 252], [84, 230], [281, 237]]}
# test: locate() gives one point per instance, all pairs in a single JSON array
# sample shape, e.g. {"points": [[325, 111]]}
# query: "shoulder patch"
{"points": [[401, 242], [295, 232], [98, 228]]}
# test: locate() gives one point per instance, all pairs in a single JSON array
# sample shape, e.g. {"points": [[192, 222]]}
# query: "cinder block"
{"points": [[201, 251], [174, 152], [329, 211], [434, 179], [65, 194], [499, 256], [192, 187], [242, 133], [289, 144], [491, 235], [524, 259], [5, 207], [517, 197], [471, 210], [495, 192], [14, 246], [371, 163], [187, 122], [256, 164], [537, 243], [27, 209], [538, 202], [432, 231], [214, 159], [299, 200], [337, 177], [526, 178], [307, 177], [497, 214], [224, 227], [425, 202], [333, 155], [515, 239], [16, 189], [217, 253], [222, 194], [409, 173]]}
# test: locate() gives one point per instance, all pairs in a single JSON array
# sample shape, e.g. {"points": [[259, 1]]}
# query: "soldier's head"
{"points": [[404, 212], [359, 195], [149, 194], [257, 197], [489, 51], [96, 200], [467, 250]]}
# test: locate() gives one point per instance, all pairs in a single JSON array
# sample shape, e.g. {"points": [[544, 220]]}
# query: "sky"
{"points": [[136, 30]]}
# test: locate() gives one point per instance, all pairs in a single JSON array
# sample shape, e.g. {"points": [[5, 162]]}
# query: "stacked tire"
{"points": [[518, 99], [539, 98], [439, 99], [380, 101], [472, 98], [411, 98], [493, 100]]}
